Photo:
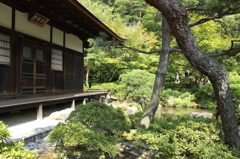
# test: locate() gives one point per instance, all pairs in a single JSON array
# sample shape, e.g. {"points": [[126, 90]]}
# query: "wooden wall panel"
{"points": [[69, 71], [57, 79], [5, 82], [5, 15], [78, 69], [22, 25]]}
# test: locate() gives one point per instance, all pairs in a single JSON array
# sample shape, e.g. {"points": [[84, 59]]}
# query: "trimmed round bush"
{"points": [[99, 116], [90, 131]]}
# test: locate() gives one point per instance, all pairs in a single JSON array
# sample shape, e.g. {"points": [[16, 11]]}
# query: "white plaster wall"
{"points": [[57, 37], [24, 26], [74, 43], [5, 16]]}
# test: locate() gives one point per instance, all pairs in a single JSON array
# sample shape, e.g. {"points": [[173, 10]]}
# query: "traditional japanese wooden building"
{"points": [[42, 51]]}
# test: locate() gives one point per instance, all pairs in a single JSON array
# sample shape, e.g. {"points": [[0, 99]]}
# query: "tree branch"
{"points": [[231, 52], [204, 20], [175, 50], [194, 8], [220, 14], [144, 52], [150, 52]]}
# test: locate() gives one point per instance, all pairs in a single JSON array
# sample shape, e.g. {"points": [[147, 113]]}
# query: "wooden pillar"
{"points": [[73, 104], [40, 112], [106, 98], [100, 98], [84, 101]]}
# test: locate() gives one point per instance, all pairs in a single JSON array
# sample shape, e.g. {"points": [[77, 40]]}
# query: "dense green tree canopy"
{"points": [[212, 36]]}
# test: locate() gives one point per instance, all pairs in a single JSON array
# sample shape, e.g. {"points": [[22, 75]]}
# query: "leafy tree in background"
{"points": [[137, 11], [107, 62], [152, 20], [131, 11]]}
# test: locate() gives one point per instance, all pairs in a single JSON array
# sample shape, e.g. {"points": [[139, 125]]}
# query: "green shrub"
{"points": [[179, 99], [184, 138], [166, 95], [235, 87], [76, 139], [90, 131], [179, 102], [11, 149], [235, 91], [124, 108], [115, 88], [110, 87], [135, 119], [138, 84], [99, 116], [173, 86]]}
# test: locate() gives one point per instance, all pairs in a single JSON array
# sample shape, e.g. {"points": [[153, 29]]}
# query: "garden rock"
{"points": [[160, 106], [131, 110], [60, 115], [200, 114], [124, 105]]}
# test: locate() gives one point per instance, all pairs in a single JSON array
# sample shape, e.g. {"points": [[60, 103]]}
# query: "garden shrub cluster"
{"points": [[12, 149], [179, 99], [184, 138], [93, 131], [90, 131]]}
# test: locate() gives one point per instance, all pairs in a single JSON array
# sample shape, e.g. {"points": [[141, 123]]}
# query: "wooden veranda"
{"points": [[38, 102]]}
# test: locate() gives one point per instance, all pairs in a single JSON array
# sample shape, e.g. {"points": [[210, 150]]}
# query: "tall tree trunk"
{"points": [[176, 16], [87, 74], [161, 74], [113, 74]]}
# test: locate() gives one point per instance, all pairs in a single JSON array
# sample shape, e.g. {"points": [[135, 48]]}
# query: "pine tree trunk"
{"points": [[177, 19], [161, 74]]}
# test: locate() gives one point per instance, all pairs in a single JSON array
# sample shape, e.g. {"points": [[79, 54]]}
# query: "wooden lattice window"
{"points": [[57, 59], [4, 49], [40, 55], [27, 52]]}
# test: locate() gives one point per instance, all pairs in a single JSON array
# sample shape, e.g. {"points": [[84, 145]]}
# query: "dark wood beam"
{"points": [[14, 5]]}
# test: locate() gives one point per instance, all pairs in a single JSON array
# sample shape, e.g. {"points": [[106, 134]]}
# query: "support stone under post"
{"points": [[73, 104], [40, 112]]}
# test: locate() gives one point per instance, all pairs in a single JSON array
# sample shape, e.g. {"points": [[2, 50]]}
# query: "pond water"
{"points": [[174, 112]]}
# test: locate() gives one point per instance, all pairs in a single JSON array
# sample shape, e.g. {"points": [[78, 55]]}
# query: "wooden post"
{"points": [[73, 104], [84, 101], [106, 98], [100, 98], [40, 112]]}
